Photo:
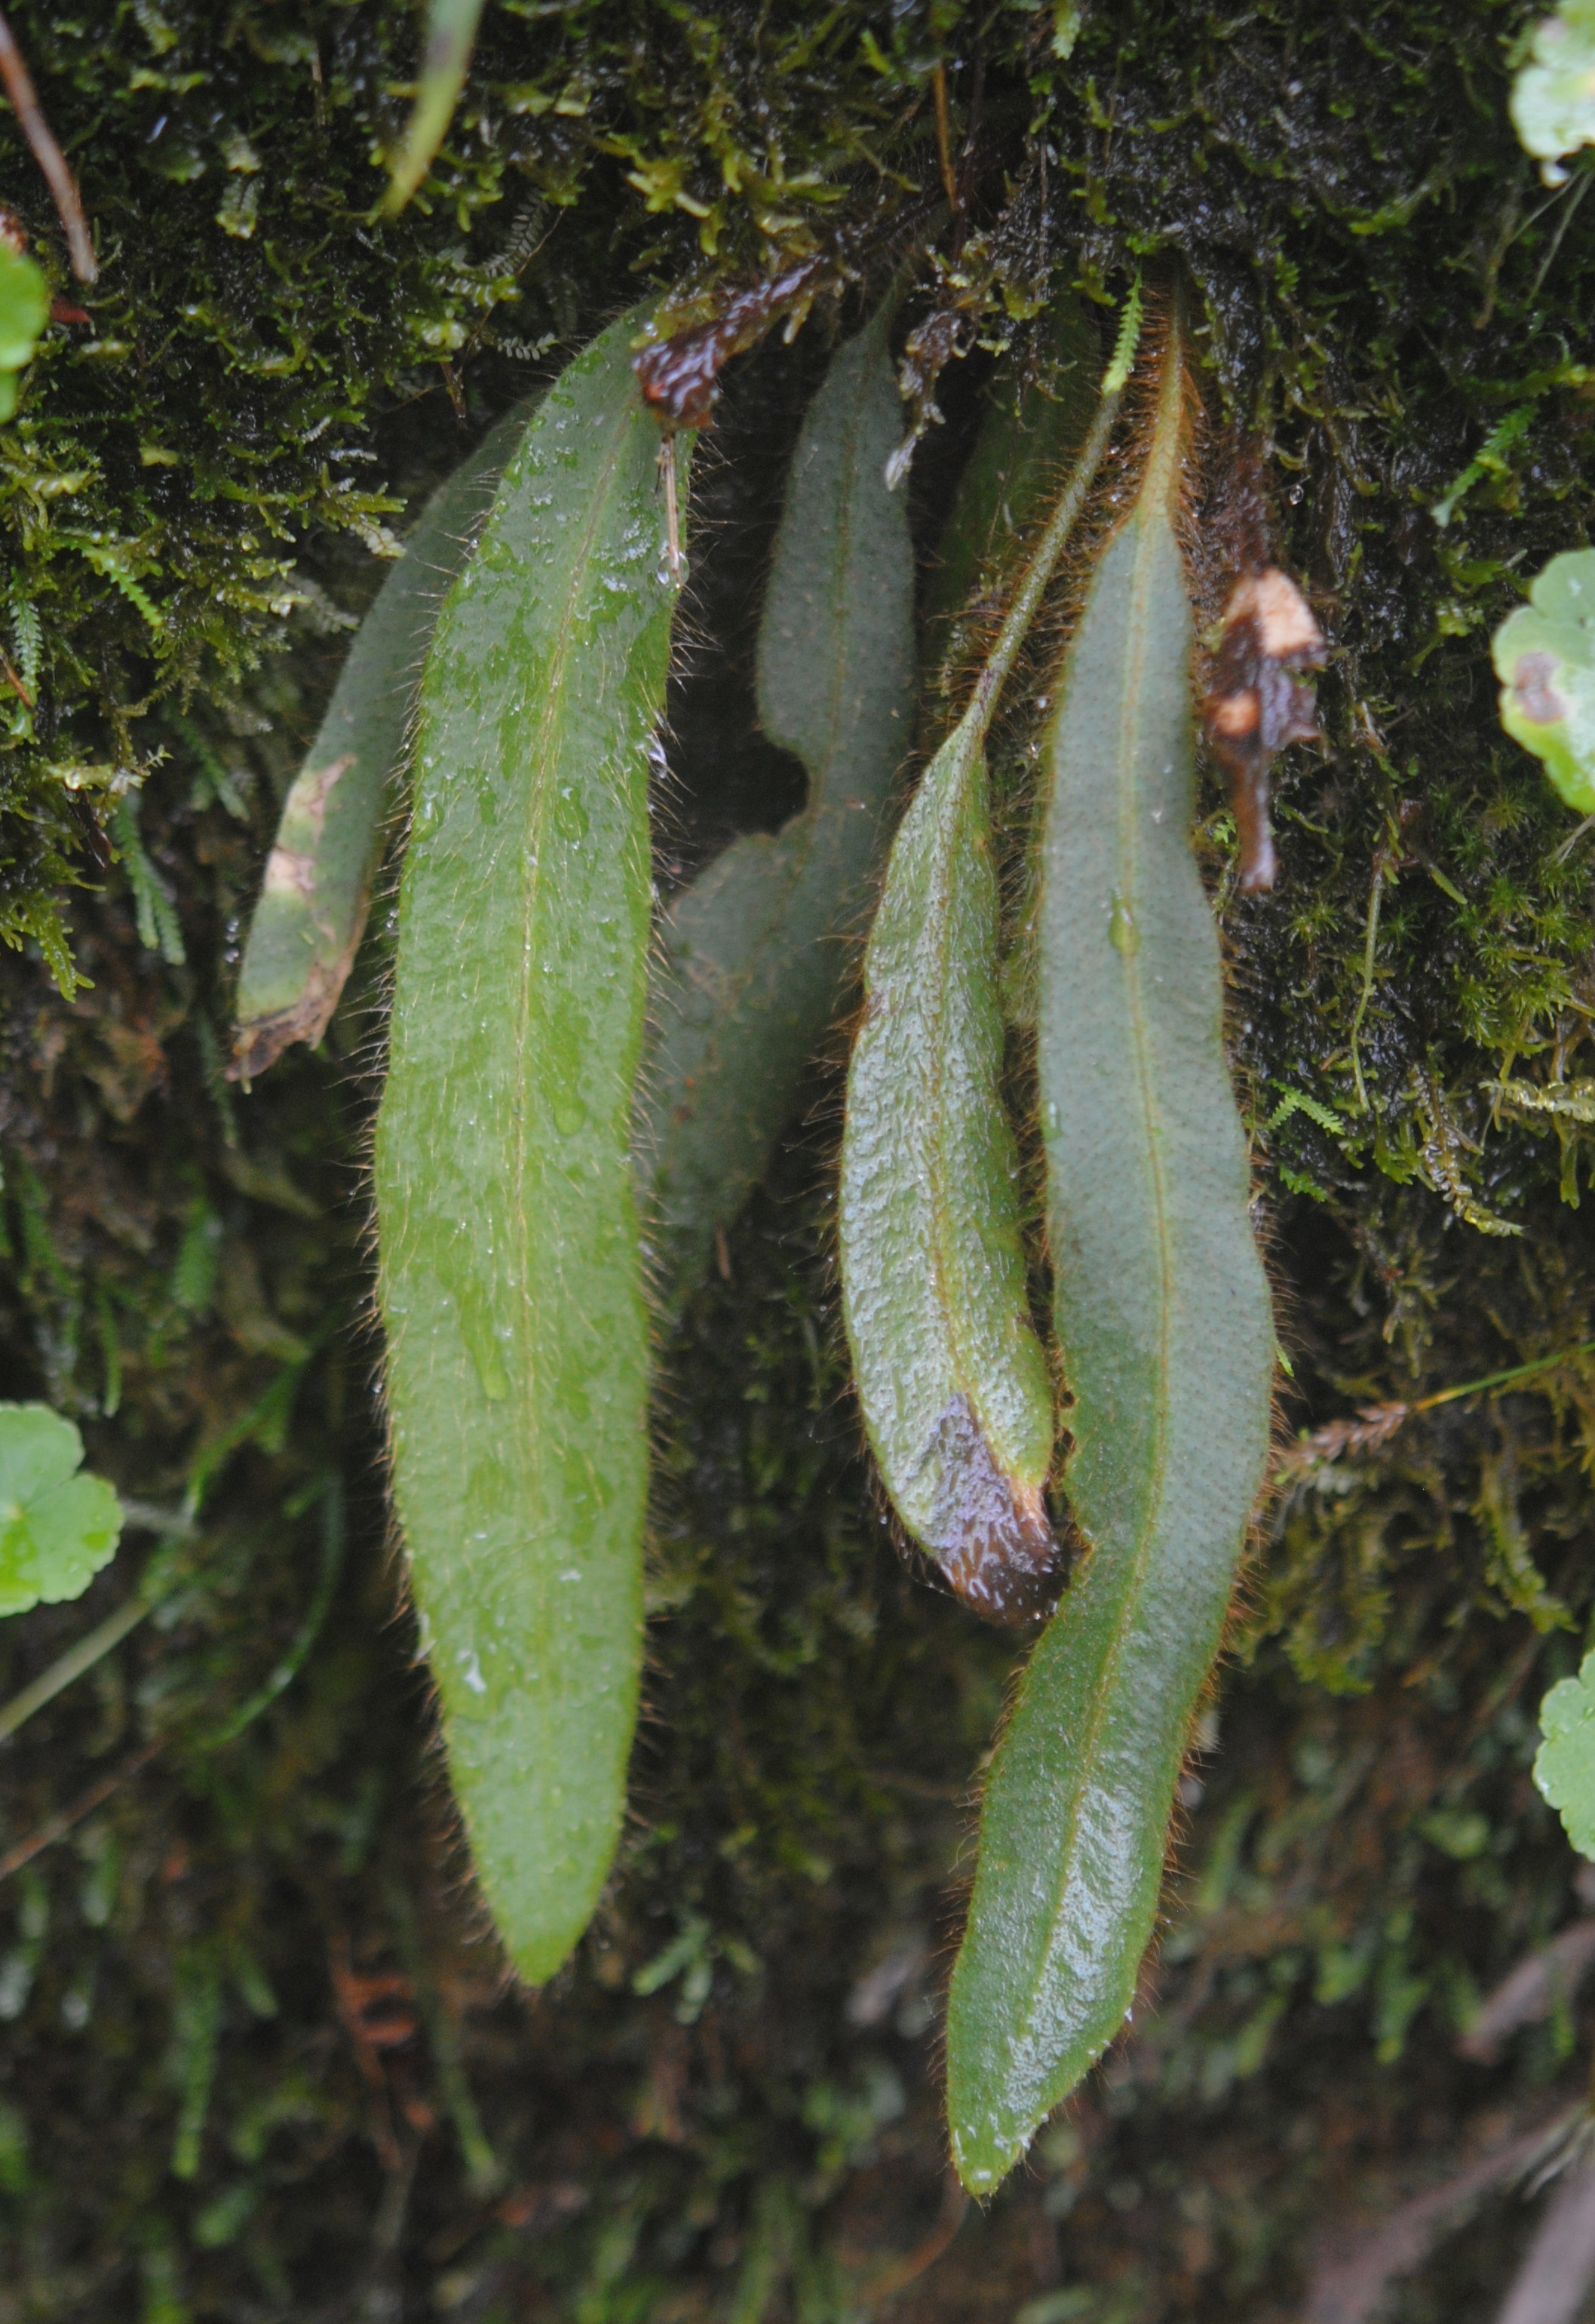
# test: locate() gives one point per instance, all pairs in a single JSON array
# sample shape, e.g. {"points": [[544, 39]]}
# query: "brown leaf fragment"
{"points": [[1541, 1982], [1374, 1425], [1258, 703], [47, 153], [990, 1537], [1553, 2278], [262, 1042], [1356, 2269], [680, 376]]}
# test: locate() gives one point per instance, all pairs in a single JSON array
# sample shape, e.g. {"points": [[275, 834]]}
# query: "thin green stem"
{"points": [[451, 34], [971, 729], [285, 1672], [1011, 637], [484, 2170], [57, 1826], [1369, 949], [1504, 1379], [83, 1657]]}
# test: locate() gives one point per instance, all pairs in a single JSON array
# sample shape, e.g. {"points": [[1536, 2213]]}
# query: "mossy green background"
{"points": [[257, 2060]]}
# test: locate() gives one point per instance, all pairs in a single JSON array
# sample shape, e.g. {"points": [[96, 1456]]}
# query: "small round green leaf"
{"points": [[56, 1528], [1552, 99], [1544, 657], [1564, 1766], [25, 307]]}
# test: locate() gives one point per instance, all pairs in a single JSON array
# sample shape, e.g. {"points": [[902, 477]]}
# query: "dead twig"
{"points": [[897, 2275], [1559, 2265], [944, 139], [18, 89], [1349, 2283], [375, 2011], [1531, 1990], [55, 1827], [1376, 1423]]}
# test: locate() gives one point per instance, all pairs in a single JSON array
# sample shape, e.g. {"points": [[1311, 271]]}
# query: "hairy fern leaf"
{"points": [[1164, 1326], [754, 951], [953, 1384], [315, 892], [510, 1275]]}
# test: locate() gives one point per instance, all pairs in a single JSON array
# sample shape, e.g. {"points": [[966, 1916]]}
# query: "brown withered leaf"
{"points": [[1258, 703], [680, 376]]}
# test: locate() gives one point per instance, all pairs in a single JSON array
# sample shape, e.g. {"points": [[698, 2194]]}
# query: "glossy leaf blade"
{"points": [[1166, 1331], [510, 1274], [317, 888], [950, 1374], [754, 952], [953, 1383]]}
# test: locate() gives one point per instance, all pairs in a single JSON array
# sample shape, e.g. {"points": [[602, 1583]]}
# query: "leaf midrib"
{"points": [[1104, 1693], [533, 881], [942, 1231]]}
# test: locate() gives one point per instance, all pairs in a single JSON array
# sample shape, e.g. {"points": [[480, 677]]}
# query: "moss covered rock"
{"points": [[260, 2057]]}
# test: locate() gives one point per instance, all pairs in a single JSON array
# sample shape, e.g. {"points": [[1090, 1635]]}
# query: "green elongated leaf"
{"points": [[754, 952], [510, 1273], [954, 1389], [1544, 657], [317, 889], [57, 1526], [1564, 1765], [451, 35], [1166, 1331], [951, 1375]]}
